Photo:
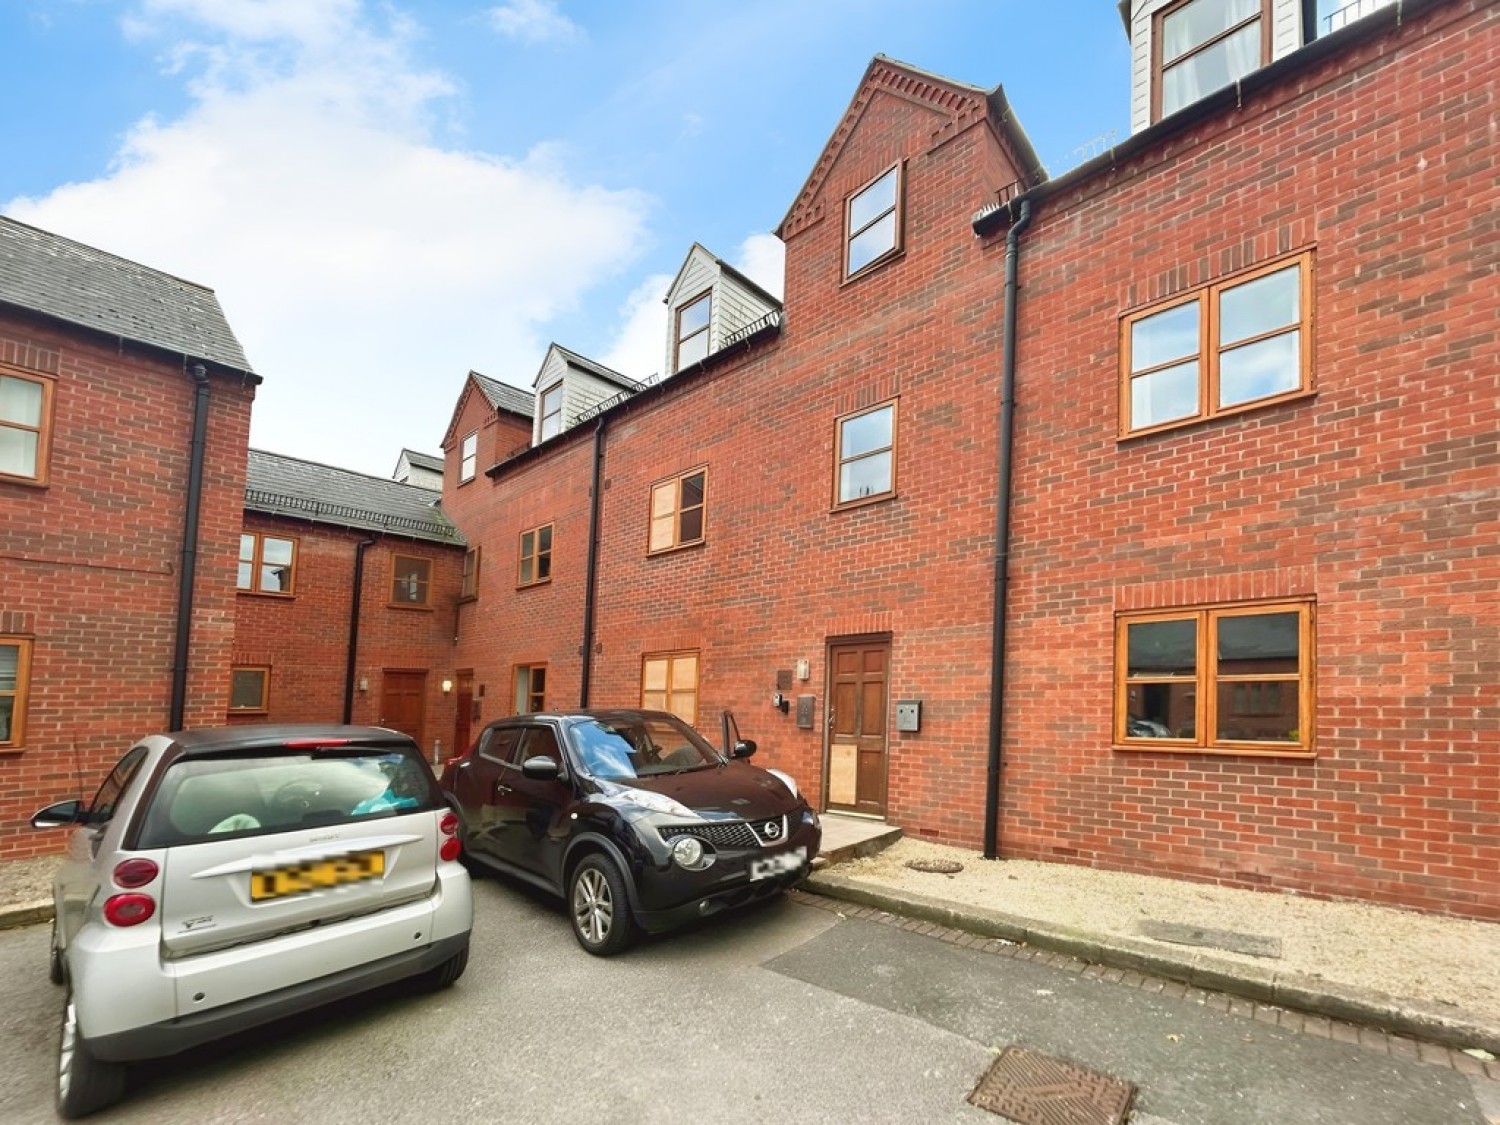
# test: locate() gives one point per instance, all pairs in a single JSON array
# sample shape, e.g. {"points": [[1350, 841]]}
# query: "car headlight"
{"points": [[786, 779], [658, 802], [689, 852]]}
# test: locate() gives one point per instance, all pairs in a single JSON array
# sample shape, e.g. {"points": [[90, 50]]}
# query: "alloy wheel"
{"points": [[67, 1049], [593, 906]]}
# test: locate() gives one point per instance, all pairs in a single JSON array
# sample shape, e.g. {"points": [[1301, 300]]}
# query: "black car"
{"points": [[631, 816]]}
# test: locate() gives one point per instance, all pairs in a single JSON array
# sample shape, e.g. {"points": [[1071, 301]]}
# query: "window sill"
{"points": [[408, 605], [533, 585], [467, 598], [37, 483], [1201, 420], [862, 502], [247, 712], [266, 594], [12, 751], [1245, 750], [680, 547]]}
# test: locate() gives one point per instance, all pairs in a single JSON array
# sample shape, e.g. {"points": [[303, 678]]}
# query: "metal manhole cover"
{"points": [[936, 866], [1033, 1089]]}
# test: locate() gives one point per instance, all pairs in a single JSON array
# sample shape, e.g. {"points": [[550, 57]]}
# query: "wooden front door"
{"points": [[465, 713], [857, 682], [403, 699]]}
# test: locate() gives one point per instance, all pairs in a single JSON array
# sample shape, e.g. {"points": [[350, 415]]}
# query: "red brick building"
{"points": [[116, 615], [1240, 555]]}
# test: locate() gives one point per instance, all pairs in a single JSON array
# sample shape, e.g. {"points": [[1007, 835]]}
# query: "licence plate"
{"points": [[299, 878], [777, 864]]}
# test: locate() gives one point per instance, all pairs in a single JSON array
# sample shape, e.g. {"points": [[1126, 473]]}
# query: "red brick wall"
{"points": [[304, 639], [1377, 497], [89, 564]]}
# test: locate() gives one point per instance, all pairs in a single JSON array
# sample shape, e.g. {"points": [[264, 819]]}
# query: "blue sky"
{"points": [[388, 194]]}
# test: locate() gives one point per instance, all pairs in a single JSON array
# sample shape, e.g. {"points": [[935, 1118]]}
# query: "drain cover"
{"points": [[936, 866], [1033, 1089]]}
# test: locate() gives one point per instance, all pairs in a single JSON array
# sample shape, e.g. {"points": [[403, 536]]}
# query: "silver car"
{"points": [[224, 878]]}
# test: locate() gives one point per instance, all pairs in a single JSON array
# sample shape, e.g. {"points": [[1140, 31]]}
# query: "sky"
{"points": [[387, 194]]}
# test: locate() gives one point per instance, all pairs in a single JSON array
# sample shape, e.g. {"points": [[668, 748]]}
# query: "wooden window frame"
{"points": [[1207, 298], [671, 659], [539, 697], [542, 413], [469, 590], [468, 457], [680, 339], [256, 563], [425, 584], [839, 460], [43, 429], [898, 206], [1158, 70], [264, 705], [535, 556], [677, 512], [1206, 680], [15, 737]]}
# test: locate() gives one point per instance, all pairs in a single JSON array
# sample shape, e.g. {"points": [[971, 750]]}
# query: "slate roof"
{"points": [[305, 490], [583, 363], [66, 280], [503, 396], [422, 460]]}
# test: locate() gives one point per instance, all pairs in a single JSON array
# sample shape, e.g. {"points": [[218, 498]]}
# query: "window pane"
{"points": [[1259, 712], [551, 426], [654, 675], [1164, 336], [684, 673], [664, 499], [866, 433], [552, 400], [544, 538], [1211, 69], [526, 570], [865, 247], [276, 579], [244, 579], [18, 452], [543, 567], [875, 200], [1258, 644], [7, 716], [1200, 21], [661, 532], [691, 350], [247, 548], [1260, 306], [276, 551], [246, 690], [1161, 710], [692, 526], [1259, 370], [868, 476], [10, 666], [693, 317], [20, 401], [1164, 395], [692, 491], [1162, 648]]}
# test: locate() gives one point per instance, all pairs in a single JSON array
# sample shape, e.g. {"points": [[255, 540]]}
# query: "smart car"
{"points": [[631, 816], [222, 878]]}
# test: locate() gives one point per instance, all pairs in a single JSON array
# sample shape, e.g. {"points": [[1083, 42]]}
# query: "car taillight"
{"points": [[448, 826], [128, 909], [451, 847], [133, 873]]}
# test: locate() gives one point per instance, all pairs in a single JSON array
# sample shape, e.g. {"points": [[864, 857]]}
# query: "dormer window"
{"points": [[552, 400], [873, 230], [692, 330], [1204, 45]]}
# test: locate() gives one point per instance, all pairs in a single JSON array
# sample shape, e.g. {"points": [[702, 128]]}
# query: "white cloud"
{"points": [[533, 21], [762, 258], [365, 268]]}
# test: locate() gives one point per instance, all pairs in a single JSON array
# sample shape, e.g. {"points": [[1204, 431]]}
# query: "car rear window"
{"points": [[257, 793]]}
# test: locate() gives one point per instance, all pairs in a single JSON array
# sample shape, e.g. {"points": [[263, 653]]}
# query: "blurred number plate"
{"points": [[299, 878], [778, 864]]}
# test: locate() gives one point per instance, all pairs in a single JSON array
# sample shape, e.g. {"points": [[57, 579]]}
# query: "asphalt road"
{"points": [[787, 1013]]}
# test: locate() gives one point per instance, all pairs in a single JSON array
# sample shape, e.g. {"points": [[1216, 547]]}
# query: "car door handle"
{"points": [[501, 789]]}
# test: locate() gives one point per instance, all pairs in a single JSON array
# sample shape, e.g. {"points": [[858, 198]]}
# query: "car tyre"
{"points": [[57, 971], [435, 980], [84, 1083], [599, 906]]}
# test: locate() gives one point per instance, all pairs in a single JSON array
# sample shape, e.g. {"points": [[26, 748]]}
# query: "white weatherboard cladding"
{"points": [[734, 304], [1286, 37], [581, 391]]}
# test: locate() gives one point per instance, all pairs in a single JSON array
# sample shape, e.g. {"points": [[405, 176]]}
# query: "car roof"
{"points": [[588, 713], [272, 738]]}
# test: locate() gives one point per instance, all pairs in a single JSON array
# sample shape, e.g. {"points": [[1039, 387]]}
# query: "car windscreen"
{"points": [[620, 749], [255, 794]]}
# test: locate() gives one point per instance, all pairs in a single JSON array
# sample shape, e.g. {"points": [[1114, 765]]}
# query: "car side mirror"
{"points": [[61, 815], [743, 748], [541, 768]]}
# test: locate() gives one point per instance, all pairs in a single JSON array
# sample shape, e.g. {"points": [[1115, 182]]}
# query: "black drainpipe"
{"points": [[1002, 534], [188, 569], [590, 582], [359, 585]]}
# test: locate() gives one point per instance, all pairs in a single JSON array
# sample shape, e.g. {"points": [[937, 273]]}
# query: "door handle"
{"points": [[832, 718], [501, 789]]}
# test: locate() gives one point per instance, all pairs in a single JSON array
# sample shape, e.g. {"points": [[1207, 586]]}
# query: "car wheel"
{"points": [[600, 907], [84, 1083], [57, 972], [445, 974]]}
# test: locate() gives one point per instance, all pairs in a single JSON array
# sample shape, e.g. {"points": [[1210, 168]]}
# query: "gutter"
{"points": [[591, 579], [358, 595], [187, 571], [1002, 533]]}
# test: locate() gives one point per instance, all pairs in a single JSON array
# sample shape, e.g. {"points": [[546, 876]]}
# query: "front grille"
{"points": [[734, 834]]}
